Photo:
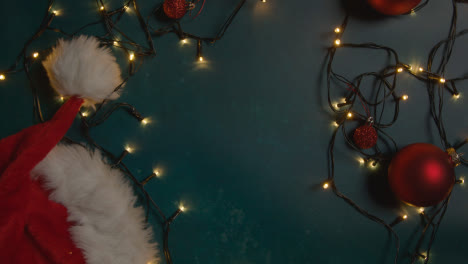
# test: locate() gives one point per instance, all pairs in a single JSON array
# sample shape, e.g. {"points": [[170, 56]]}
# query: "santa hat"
{"points": [[64, 203]]}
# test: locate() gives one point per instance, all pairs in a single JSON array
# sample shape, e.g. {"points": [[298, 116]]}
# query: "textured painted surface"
{"points": [[242, 139]]}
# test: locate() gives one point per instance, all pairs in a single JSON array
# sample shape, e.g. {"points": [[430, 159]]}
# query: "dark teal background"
{"points": [[242, 138]]}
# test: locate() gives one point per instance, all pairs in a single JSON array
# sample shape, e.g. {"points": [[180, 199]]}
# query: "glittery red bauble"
{"points": [[421, 174], [365, 136], [175, 9], [393, 7]]}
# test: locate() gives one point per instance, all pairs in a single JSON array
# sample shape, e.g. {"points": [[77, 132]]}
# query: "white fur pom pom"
{"points": [[80, 67]]}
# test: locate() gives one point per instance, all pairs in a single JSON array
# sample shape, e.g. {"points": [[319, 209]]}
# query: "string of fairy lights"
{"points": [[137, 53], [346, 111]]}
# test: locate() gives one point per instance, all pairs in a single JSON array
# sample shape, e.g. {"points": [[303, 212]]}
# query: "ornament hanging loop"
{"points": [[455, 157]]}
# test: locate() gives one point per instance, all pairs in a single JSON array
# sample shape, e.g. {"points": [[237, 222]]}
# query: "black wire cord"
{"points": [[386, 93], [110, 20]]}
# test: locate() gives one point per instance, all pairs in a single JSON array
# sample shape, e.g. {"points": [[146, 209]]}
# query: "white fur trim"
{"points": [[80, 67], [101, 205]]}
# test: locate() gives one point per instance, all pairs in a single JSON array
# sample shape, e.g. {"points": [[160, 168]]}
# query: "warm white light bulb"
{"points": [[35, 54], [85, 114], [101, 8], [424, 255], [337, 42], [156, 172], [405, 97], [182, 208], [184, 41], [350, 115], [200, 58], [325, 185], [405, 217], [145, 121], [400, 69], [421, 69], [129, 149], [2, 77], [442, 80], [421, 210], [337, 30], [335, 124], [56, 12], [131, 57], [456, 96]]}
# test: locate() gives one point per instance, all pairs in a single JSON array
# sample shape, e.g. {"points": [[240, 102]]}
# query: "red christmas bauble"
{"points": [[365, 136], [421, 174], [393, 7], [175, 9]]}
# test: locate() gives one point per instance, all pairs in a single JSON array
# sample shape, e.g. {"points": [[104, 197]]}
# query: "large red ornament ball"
{"points": [[393, 7], [365, 136], [175, 9], [421, 175]]}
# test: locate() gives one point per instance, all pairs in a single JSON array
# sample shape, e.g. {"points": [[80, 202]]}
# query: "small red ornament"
{"points": [[394, 7], [421, 175], [365, 136], [175, 9]]}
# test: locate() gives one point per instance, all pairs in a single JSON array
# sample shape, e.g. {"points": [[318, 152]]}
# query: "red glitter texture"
{"points": [[365, 137], [175, 9]]}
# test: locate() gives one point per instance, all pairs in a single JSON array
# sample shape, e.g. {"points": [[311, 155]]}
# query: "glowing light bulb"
{"points": [[101, 8], [85, 114], [125, 7], [400, 69], [413, 12], [456, 96], [421, 69], [424, 255], [156, 172], [182, 208], [361, 161], [129, 149], [442, 80], [405, 217], [421, 210], [2, 77], [372, 164], [35, 54], [335, 124], [325, 185], [61, 98], [263, 1], [350, 115], [337, 42], [56, 12], [200, 58], [337, 30], [404, 97], [131, 57], [184, 41], [145, 121], [116, 43]]}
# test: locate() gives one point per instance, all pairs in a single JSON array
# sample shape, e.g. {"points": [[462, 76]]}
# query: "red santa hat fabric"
{"points": [[34, 229], [64, 203]]}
